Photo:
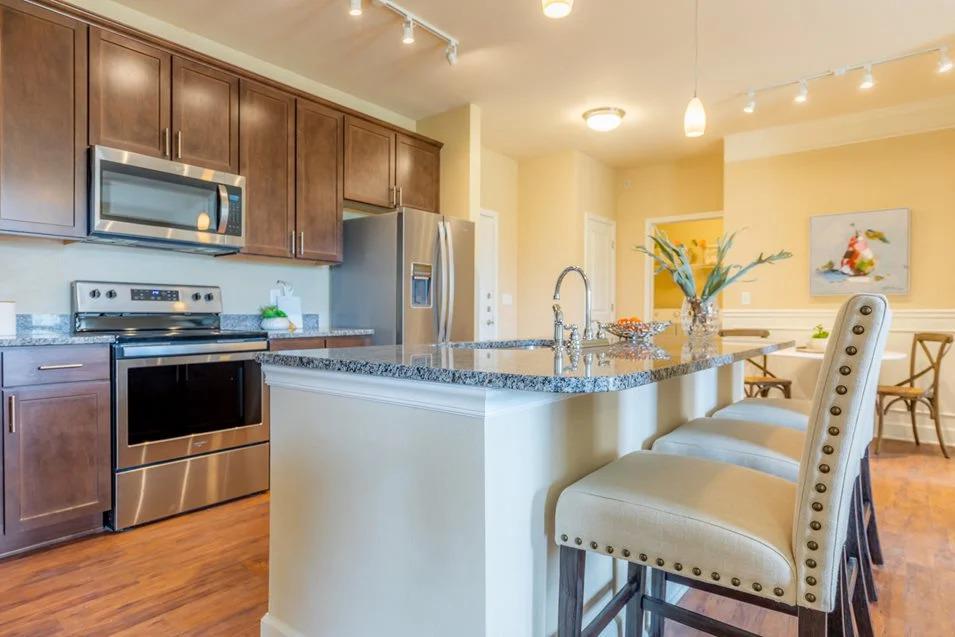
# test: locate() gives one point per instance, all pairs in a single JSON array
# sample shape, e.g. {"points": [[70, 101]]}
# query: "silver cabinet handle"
{"points": [[400, 197], [292, 241], [178, 144], [166, 142], [45, 368], [13, 414], [301, 244], [393, 191]]}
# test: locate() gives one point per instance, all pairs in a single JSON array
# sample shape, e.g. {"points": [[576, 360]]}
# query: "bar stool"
{"points": [[762, 384], [732, 530]]}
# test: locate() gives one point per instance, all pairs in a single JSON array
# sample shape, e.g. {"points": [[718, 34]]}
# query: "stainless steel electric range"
{"points": [[189, 425]]}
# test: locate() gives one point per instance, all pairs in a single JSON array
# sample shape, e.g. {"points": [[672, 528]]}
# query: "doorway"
{"points": [[600, 258], [699, 234]]}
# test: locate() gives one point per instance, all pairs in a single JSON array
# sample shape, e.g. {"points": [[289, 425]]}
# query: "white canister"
{"points": [[8, 318]]}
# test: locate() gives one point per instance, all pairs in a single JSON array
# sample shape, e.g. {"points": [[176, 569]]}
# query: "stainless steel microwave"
{"points": [[142, 200]]}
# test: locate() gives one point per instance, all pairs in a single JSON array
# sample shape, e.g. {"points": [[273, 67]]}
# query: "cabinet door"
{"points": [[318, 203], [42, 121], [267, 160], [418, 166], [369, 163], [205, 116], [129, 94], [56, 454]]}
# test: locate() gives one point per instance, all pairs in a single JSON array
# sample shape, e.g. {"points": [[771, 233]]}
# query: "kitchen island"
{"points": [[413, 487]]}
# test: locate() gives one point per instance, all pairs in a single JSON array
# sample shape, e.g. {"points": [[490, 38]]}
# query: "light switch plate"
{"points": [[507, 299], [745, 298]]}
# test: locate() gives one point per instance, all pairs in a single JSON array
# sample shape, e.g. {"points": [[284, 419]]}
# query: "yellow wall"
{"points": [[460, 131], [658, 190], [666, 293], [499, 193], [774, 198]]}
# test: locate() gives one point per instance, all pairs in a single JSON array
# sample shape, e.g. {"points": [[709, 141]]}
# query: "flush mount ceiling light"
{"points": [[354, 7], [944, 62], [604, 119], [868, 81], [557, 8], [694, 118]]}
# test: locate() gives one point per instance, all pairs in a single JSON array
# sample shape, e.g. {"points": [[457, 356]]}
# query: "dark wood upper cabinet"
{"points": [[129, 94], [56, 454], [369, 163], [205, 116], [318, 202], [418, 166], [43, 127], [267, 160]]}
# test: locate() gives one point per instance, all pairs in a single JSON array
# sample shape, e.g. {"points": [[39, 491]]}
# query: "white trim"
{"points": [[871, 125], [903, 320], [593, 216], [269, 626], [648, 269], [461, 400], [491, 214]]}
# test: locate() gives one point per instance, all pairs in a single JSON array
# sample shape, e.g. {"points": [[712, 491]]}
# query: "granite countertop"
{"points": [[38, 336], [530, 365], [319, 333]]}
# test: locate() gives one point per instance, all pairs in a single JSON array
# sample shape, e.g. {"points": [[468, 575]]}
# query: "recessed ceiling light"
{"points": [[557, 8], [604, 119]]}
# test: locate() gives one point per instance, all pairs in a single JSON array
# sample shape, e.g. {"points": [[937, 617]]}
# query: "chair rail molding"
{"points": [[797, 324]]}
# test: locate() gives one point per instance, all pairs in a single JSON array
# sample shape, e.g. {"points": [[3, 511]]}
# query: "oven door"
{"points": [[180, 406]]}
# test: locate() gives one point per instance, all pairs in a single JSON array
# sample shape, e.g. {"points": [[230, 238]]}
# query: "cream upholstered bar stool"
{"points": [[732, 530]]}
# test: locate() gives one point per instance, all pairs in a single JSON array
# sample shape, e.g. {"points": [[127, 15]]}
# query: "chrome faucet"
{"points": [[588, 299]]}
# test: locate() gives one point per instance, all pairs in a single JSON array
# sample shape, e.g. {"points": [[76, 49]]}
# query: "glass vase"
{"points": [[700, 319]]}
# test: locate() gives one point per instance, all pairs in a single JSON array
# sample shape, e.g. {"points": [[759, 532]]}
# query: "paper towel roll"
{"points": [[8, 318]]}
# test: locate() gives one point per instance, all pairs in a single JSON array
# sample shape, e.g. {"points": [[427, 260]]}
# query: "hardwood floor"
{"points": [[207, 573]]}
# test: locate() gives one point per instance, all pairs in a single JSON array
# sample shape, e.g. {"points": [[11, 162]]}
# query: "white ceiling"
{"points": [[533, 77]]}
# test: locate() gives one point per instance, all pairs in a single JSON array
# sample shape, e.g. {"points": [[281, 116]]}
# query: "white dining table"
{"points": [[818, 355]]}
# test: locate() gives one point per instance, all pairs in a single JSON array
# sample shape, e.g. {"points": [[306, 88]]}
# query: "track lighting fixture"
{"points": [[867, 80], [944, 62], [803, 95], [409, 21], [750, 102], [354, 7], [451, 53], [408, 32]]}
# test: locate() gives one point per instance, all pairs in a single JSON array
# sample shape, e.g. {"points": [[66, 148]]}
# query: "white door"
{"points": [[601, 256], [487, 255]]}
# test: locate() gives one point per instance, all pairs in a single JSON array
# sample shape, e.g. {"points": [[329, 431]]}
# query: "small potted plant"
{"points": [[273, 319], [820, 338]]}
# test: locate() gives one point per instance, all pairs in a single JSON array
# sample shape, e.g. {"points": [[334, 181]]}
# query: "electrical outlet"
{"points": [[745, 298]]}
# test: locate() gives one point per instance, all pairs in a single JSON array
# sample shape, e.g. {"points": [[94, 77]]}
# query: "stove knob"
{"points": [[209, 296], [94, 294], [111, 294], [196, 296]]}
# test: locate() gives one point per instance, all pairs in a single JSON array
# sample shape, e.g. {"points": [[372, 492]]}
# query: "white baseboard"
{"points": [[271, 627]]}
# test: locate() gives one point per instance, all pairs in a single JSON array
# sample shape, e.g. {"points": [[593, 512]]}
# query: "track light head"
{"points": [[867, 80], [944, 61], [354, 7], [750, 102], [408, 33], [803, 95], [451, 53]]}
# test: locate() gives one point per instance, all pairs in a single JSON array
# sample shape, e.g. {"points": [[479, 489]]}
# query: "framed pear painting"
{"points": [[859, 252]]}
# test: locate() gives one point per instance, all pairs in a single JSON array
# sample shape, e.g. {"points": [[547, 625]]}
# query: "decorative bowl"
{"points": [[637, 332], [275, 324]]}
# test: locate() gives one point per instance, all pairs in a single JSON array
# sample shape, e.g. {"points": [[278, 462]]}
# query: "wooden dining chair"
{"points": [[760, 385], [911, 395]]}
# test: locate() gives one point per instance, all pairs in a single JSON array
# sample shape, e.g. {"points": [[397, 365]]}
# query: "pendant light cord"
{"points": [[696, 49]]}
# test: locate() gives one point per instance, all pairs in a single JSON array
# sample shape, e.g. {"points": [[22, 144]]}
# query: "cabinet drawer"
{"points": [[305, 342], [347, 341], [55, 364]]}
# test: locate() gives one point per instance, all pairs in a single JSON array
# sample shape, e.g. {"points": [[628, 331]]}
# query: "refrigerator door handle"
{"points": [[442, 282], [451, 267]]}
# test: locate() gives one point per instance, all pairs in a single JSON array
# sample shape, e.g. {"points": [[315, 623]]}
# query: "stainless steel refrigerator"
{"points": [[408, 274]]}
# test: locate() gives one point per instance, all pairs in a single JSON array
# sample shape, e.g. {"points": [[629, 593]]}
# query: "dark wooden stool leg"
{"points": [[865, 557], [570, 596], [812, 623], [839, 620], [633, 615], [858, 594], [871, 526], [658, 589]]}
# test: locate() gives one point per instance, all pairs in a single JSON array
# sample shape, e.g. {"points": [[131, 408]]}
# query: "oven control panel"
{"points": [[113, 297]]}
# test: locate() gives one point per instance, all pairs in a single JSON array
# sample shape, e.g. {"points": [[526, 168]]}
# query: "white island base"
{"points": [[404, 508]]}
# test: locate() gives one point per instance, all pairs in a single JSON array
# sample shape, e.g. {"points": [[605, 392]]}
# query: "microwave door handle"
{"points": [[223, 209], [449, 322]]}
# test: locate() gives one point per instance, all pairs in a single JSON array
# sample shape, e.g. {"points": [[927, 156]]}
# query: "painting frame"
{"points": [[885, 237]]}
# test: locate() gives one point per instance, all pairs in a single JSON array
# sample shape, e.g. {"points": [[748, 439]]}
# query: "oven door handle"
{"points": [[182, 349], [223, 209]]}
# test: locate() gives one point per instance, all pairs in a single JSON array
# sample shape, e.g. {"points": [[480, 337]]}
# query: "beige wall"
{"points": [[658, 190], [666, 293], [460, 131], [774, 197], [499, 184]]}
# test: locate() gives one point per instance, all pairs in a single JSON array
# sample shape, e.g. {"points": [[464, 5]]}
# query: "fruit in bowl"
{"points": [[635, 330]]}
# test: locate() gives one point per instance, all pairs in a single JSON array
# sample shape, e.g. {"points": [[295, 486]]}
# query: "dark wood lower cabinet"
{"points": [[56, 460]]}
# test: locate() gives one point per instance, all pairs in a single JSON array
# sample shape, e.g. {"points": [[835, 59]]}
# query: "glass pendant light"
{"points": [[694, 119]]}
